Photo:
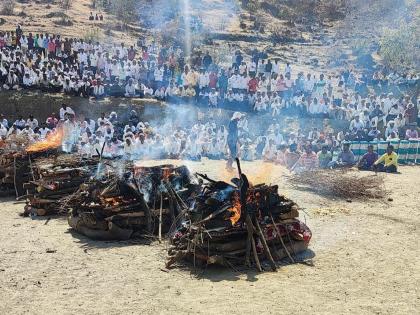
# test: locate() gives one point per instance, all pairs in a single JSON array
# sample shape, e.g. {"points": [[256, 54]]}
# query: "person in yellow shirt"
{"points": [[388, 162]]}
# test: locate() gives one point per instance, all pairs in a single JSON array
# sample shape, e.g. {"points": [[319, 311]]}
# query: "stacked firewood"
{"points": [[15, 170], [7, 174], [238, 224], [132, 202], [52, 179]]}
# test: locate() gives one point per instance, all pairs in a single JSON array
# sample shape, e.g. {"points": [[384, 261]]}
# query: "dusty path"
{"points": [[366, 262]]}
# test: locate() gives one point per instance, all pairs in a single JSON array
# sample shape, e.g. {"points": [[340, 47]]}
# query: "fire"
{"points": [[114, 201], [235, 209], [53, 141]]}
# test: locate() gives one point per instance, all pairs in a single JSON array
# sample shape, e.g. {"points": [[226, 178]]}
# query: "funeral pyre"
{"points": [[54, 178], [238, 224], [16, 155], [133, 201]]}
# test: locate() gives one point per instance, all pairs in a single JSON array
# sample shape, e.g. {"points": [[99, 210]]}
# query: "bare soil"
{"points": [[363, 259]]}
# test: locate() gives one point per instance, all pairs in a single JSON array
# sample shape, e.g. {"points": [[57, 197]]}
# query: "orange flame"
{"points": [[53, 141], [114, 201], [235, 209]]}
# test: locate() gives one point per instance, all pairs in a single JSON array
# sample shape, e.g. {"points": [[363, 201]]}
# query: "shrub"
{"points": [[399, 47], [124, 10], [93, 34], [8, 7]]}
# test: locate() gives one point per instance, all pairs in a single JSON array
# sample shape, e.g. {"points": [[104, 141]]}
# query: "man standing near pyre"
{"points": [[232, 138]]}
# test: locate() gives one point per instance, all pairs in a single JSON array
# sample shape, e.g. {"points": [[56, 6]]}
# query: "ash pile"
{"points": [[130, 202], [54, 178], [238, 224]]}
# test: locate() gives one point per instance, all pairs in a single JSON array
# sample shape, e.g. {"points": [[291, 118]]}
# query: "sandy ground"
{"points": [[366, 261]]}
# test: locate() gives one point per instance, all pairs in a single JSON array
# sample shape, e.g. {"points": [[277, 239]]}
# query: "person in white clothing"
{"points": [[130, 89], [65, 110]]}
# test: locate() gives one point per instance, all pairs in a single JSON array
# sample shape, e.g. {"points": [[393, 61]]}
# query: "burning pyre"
{"points": [[207, 221], [238, 224], [54, 178], [141, 202], [16, 156], [52, 141]]}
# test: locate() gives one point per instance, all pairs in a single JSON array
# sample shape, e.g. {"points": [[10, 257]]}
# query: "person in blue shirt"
{"points": [[367, 160]]}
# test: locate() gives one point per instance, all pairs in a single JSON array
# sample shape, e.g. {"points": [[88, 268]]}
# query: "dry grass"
{"points": [[343, 184]]}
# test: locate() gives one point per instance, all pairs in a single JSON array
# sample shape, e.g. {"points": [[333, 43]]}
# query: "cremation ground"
{"points": [[365, 260]]}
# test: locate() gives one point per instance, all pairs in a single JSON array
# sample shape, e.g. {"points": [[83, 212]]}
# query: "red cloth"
{"points": [[131, 54], [51, 46], [253, 85], [213, 80]]}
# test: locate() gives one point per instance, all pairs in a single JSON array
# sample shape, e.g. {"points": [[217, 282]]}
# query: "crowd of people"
{"points": [[378, 106], [131, 138], [252, 83]]}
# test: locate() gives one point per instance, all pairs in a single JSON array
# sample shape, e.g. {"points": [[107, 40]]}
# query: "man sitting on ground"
{"points": [[367, 160], [388, 162], [324, 157], [345, 158], [307, 161]]}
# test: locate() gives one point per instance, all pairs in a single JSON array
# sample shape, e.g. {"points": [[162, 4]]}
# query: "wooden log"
{"points": [[40, 201], [296, 246], [214, 214], [127, 207], [265, 246], [61, 192], [257, 260], [294, 213], [113, 233], [228, 246], [179, 255], [160, 218], [281, 239]]}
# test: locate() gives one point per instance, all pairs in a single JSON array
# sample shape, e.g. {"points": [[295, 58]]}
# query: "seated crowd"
{"points": [[252, 83], [131, 138], [378, 106]]}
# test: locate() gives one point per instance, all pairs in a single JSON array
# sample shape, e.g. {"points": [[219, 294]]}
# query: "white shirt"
{"points": [[63, 111], [358, 125], [130, 90], [32, 123], [308, 85]]}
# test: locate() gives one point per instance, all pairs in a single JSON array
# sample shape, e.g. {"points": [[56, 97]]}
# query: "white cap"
{"points": [[237, 115]]}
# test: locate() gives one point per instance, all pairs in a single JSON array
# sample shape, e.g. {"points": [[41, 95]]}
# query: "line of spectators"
{"points": [[376, 107], [132, 138]]}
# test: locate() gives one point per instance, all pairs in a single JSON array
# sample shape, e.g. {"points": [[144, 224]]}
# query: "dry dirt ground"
{"points": [[35, 20], [366, 262]]}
